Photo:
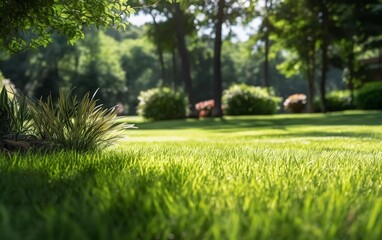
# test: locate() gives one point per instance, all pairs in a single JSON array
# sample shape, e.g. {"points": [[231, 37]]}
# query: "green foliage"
{"points": [[75, 124], [242, 99], [253, 177], [32, 23], [161, 104], [100, 67], [14, 115], [338, 100], [370, 96]]}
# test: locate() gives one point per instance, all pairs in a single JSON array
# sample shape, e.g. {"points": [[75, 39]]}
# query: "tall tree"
{"points": [[164, 36], [357, 30], [156, 34], [268, 6], [184, 54], [325, 41], [296, 30], [262, 10], [308, 27], [48, 79], [217, 110], [156, 10], [39, 73], [216, 14]]}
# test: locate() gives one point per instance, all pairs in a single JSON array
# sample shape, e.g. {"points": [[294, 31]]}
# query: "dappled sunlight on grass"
{"points": [[207, 179], [277, 128], [337, 131]]}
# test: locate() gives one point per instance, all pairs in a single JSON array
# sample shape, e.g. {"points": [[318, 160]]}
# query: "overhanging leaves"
{"points": [[26, 24]]}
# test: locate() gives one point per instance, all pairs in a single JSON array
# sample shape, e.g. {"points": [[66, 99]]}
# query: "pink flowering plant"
{"points": [[295, 103], [205, 108]]}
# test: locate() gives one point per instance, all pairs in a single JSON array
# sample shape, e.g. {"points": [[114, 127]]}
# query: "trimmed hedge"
{"points": [[242, 99], [369, 97], [338, 100], [162, 104]]}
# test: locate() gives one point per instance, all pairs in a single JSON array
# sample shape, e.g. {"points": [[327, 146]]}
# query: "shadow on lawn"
{"points": [[317, 134], [79, 206], [275, 121], [31, 187]]}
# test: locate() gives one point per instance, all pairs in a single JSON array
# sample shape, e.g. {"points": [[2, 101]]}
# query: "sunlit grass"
{"points": [[274, 177]]}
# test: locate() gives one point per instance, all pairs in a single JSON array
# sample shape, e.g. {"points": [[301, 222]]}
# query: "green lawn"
{"points": [[266, 177]]}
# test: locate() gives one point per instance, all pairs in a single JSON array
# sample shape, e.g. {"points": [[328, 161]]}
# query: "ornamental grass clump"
{"points": [[75, 124], [16, 129], [295, 103], [14, 115]]}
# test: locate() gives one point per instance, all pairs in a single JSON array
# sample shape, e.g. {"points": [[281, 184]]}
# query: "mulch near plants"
{"points": [[22, 144]]}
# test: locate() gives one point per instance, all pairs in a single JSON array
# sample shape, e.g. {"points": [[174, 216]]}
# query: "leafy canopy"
{"points": [[28, 24]]}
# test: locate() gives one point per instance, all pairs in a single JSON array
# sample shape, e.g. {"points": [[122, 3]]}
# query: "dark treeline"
{"points": [[303, 46]]}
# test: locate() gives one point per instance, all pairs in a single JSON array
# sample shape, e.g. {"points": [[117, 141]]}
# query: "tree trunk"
{"points": [[160, 51], [217, 110], [76, 66], [184, 56], [311, 71], [50, 77], [325, 60], [161, 61], [266, 46], [311, 88], [53, 78], [351, 73], [174, 70], [49, 83]]}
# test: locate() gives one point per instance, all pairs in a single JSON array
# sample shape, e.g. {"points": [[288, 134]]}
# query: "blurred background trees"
{"points": [[203, 47]]}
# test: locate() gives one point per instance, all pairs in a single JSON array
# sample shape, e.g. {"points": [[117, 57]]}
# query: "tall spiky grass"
{"points": [[14, 114], [75, 124]]}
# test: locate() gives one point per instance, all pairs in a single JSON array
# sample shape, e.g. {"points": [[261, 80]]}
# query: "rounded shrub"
{"points": [[161, 104], [338, 100], [295, 103], [369, 96], [241, 99]]}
